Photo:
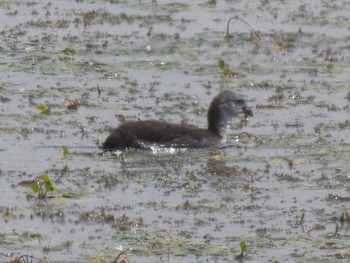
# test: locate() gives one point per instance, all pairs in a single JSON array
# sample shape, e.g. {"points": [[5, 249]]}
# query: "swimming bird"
{"points": [[146, 134]]}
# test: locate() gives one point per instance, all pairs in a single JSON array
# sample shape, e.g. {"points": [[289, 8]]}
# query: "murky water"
{"points": [[281, 185]]}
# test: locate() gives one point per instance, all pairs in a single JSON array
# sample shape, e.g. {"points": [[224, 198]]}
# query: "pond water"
{"points": [[71, 71]]}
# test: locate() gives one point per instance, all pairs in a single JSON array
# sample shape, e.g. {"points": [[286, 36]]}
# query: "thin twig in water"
{"points": [[319, 227], [82, 130], [119, 255], [98, 90], [237, 17], [301, 221], [336, 229]]}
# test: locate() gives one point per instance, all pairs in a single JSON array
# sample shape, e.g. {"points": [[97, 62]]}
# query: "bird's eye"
{"points": [[240, 101]]}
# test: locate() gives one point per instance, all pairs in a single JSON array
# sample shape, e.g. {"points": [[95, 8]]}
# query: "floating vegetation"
{"points": [[43, 108], [65, 245], [41, 185], [225, 69], [28, 259], [69, 51]]}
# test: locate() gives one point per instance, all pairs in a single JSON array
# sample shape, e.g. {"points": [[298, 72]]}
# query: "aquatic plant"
{"points": [[41, 185], [69, 51], [225, 69], [243, 247], [43, 108]]}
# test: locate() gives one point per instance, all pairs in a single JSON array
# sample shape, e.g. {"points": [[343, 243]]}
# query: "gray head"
{"points": [[225, 106]]}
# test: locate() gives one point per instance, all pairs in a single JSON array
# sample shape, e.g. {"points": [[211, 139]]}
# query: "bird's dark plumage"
{"points": [[144, 134]]}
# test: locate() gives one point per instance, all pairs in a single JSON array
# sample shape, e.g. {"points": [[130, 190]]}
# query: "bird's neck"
{"points": [[217, 120]]}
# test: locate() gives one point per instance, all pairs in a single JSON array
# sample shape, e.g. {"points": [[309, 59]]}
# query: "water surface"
{"points": [[281, 185]]}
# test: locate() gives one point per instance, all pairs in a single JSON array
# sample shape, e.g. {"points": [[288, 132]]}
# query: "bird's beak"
{"points": [[247, 111]]}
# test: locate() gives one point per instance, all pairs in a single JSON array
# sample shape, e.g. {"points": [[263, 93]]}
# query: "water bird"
{"points": [[152, 133]]}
